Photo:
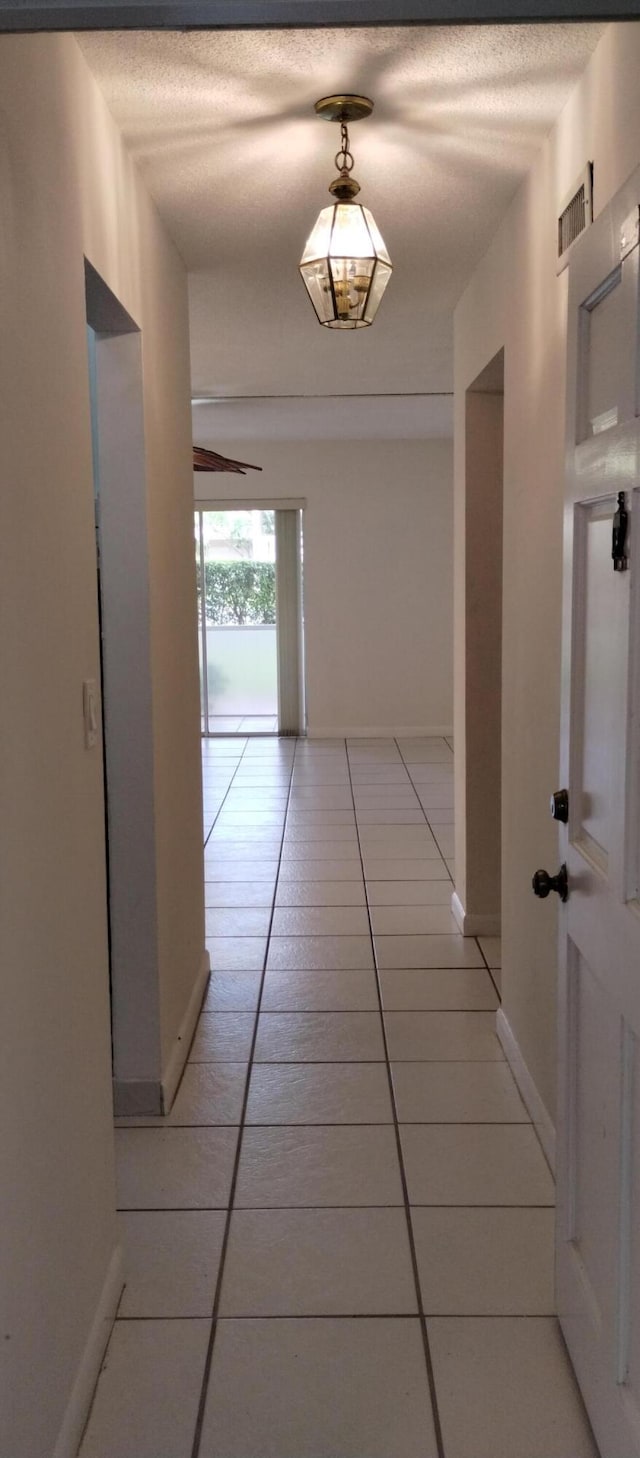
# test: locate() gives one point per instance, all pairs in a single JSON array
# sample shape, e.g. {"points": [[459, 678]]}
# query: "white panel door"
{"points": [[598, 1229]]}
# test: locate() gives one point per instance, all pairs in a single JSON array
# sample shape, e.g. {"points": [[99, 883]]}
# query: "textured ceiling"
{"points": [[223, 129]]}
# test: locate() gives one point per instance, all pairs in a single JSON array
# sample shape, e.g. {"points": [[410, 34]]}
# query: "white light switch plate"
{"points": [[90, 712]]}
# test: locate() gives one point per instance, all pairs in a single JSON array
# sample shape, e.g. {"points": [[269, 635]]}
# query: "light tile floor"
{"points": [[340, 1242]]}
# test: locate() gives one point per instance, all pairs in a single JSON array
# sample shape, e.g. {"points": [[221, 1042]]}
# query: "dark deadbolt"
{"points": [[560, 806], [543, 883], [619, 535]]}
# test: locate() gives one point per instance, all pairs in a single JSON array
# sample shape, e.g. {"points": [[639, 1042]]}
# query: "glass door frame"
{"points": [[291, 711], [204, 675]]}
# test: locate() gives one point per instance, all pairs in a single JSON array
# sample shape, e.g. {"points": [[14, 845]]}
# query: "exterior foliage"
{"points": [[237, 593]]}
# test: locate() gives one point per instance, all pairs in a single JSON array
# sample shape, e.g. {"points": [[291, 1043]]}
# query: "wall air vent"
{"points": [[575, 215]]}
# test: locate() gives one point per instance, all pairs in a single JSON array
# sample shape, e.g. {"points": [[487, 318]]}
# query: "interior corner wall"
{"points": [[479, 757], [68, 192], [515, 300], [378, 596]]}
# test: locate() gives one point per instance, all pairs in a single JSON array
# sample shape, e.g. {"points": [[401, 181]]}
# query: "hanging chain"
{"points": [[343, 159]]}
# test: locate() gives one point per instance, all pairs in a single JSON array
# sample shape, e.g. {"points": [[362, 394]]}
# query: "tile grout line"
{"points": [[497, 990], [362, 1315], [325, 1062], [224, 798], [193, 1036], [426, 817], [197, 1437], [126, 1209], [403, 1177], [221, 1209], [333, 1123], [343, 1123]]}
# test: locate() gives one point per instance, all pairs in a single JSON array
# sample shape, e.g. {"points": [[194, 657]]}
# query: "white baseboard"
{"points": [[178, 1056], [83, 1388], [475, 925], [386, 731], [536, 1109]]}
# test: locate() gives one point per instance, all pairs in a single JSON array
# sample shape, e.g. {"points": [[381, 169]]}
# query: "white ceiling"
{"points": [[222, 126]]}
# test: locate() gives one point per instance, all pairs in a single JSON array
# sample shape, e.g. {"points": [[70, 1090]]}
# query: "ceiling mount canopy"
{"points": [[345, 265], [343, 108]]}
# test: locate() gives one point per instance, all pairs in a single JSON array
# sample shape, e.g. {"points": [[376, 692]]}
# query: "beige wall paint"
{"points": [[515, 300], [377, 575], [68, 190]]}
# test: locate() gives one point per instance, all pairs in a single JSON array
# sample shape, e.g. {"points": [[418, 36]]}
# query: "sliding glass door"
{"points": [[250, 620]]}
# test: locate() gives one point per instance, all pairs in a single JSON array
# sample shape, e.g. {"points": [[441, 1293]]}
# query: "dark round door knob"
{"points": [[560, 806], [543, 883]]}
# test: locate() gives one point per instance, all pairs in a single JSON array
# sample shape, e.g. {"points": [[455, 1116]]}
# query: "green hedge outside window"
{"points": [[239, 593]]}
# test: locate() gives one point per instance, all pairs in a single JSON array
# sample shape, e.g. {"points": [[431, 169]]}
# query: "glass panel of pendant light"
{"points": [[317, 244], [346, 285], [379, 246], [318, 285], [381, 276], [350, 236], [351, 283]]}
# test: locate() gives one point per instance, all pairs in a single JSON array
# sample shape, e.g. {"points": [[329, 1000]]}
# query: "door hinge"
{"points": [[619, 535]]}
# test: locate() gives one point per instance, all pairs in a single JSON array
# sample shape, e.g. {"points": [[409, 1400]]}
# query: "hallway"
{"points": [[346, 1100]]}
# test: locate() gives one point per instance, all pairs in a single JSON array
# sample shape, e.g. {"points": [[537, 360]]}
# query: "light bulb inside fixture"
{"points": [[349, 286]]}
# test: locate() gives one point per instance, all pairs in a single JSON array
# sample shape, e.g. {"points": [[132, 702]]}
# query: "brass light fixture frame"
{"points": [[342, 108]]}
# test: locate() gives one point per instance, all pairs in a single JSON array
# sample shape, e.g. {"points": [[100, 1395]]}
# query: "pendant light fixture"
{"points": [[345, 265]]}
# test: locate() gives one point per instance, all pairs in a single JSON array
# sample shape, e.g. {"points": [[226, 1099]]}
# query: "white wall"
{"points": [[68, 190], [515, 300], [377, 575]]}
